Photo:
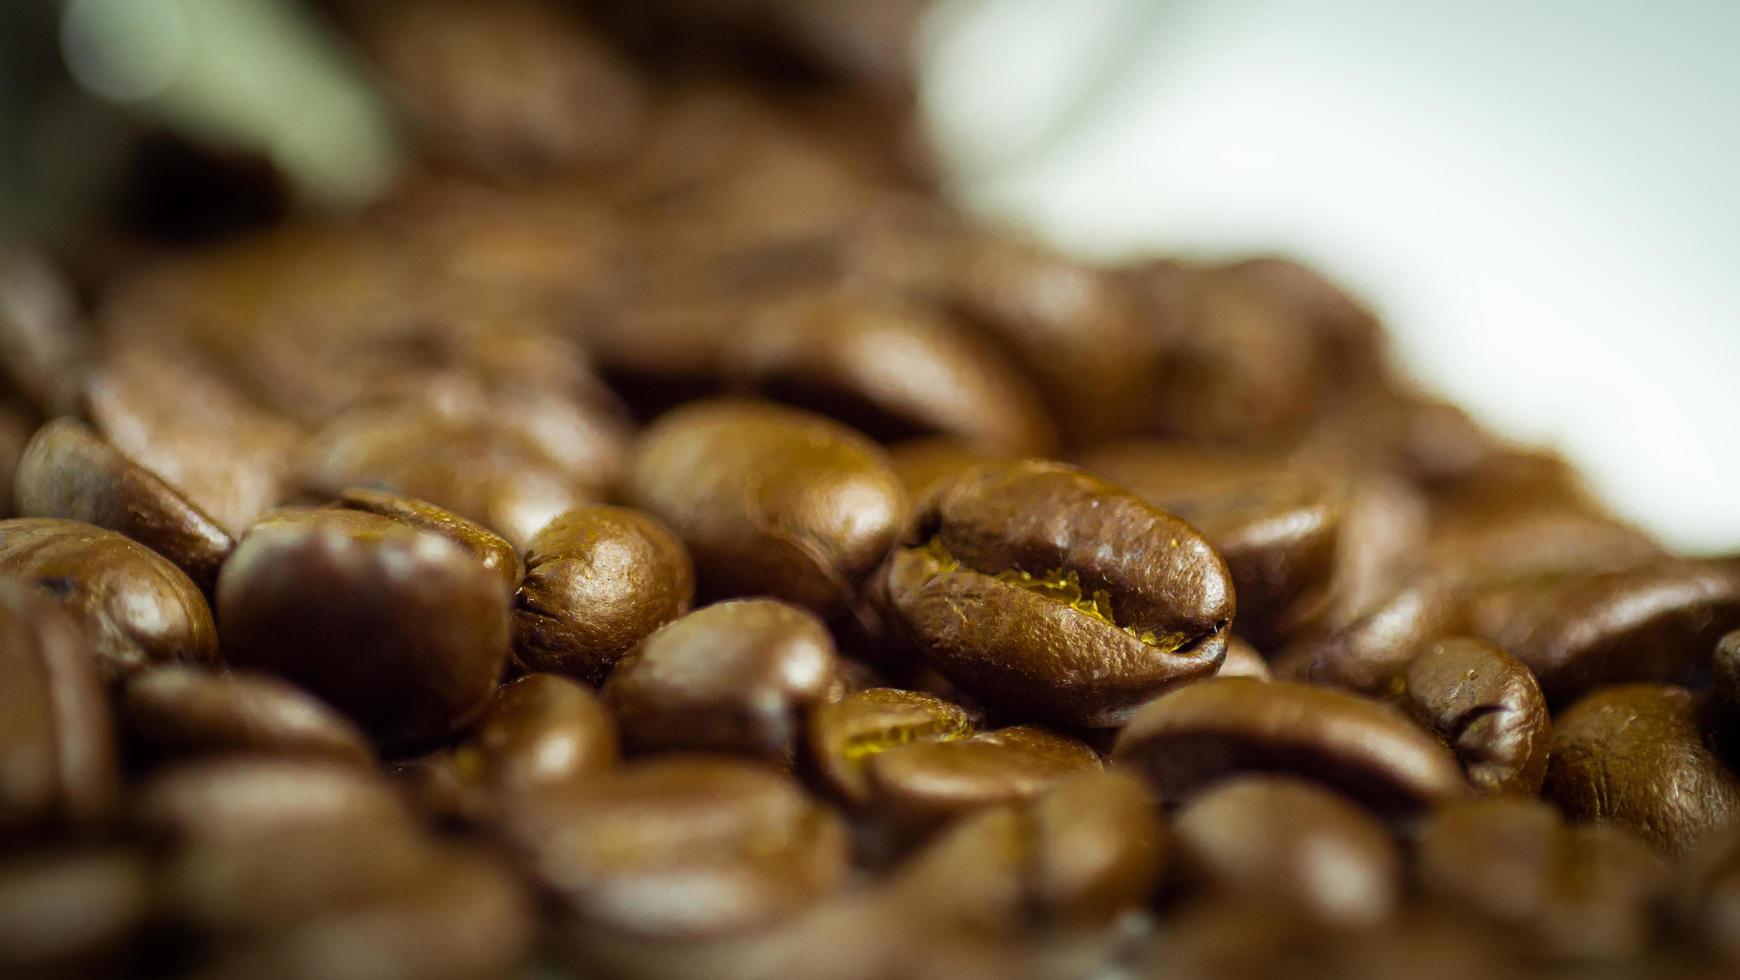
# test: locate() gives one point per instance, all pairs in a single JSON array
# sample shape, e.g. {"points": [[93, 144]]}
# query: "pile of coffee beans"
{"points": [[666, 539]]}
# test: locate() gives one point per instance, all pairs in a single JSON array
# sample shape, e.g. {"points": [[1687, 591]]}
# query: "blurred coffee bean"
{"points": [[69, 471], [1707, 895], [1725, 671], [15, 432], [42, 333], [134, 607], [490, 549], [920, 463], [736, 677], [598, 580], [846, 734], [57, 744], [1384, 527], [769, 500], [1486, 706], [1275, 526], [541, 732], [398, 628], [1077, 856], [1581, 892], [1532, 545], [174, 711], [681, 846], [1289, 846], [1193, 737], [1243, 660], [1646, 757], [72, 912], [1367, 653], [1025, 584], [928, 782]]}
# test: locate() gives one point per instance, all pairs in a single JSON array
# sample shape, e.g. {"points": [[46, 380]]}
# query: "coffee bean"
{"points": [[1708, 892], [1366, 654], [540, 732], [1275, 527], [1725, 671], [925, 783], [1581, 892], [1077, 856], [15, 431], [42, 334], [174, 711], [490, 549], [920, 463], [1289, 845], [770, 501], [57, 747], [1188, 739], [845, 735], [681, 846], [400, 629], [1243, 660], [738, 677], [1486, 707], [1641, 756], [69, 471], [72, 912], [135, 608], [1055, 595], [598, 580]]}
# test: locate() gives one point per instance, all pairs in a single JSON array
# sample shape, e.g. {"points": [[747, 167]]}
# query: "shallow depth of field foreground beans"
{"points": [[663, 537]]}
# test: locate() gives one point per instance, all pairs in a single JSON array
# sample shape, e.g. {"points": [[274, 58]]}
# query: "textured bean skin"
{"points": [[598, 580], [1207, 731], [400, 629], [992, 584], [136, 609], [1641, 756], [770, 501], [1487, 707]]}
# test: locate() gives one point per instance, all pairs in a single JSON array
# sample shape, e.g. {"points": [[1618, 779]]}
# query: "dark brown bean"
{"points": [[738, 677], [1366, 654], [181, 711], [1243, 660], [845, 735], [1486, 706], [1707, 895], [1192, 737], [598, 580], [490, 549], [1019, 583], [1725, 671], [770, 501], [1641, 755], [540, 732], [925, 783], [71, 913], [134, 607], [1582, 893], [400, 629], [15, 431], [69, 471], [42, 336], [1289, 845], [682, 846], [57, 745]]}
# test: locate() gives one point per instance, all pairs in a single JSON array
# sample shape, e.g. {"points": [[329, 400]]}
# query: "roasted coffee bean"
{"points": [[135, 608], [1053, 594], [1086, 850], [1366, 654], [490, 549], [1643, 756], [57, 746], [846, 734], [1243, 660], [925, 783], [1580, 634], [42, 336], [598, 580], [1725, 671], [72, 913], [173, 711], [769, 500], [69, 471], [1276, 526], [920, 463], [736, 677], [1707, 895], [400, 629], [1291, 846], [681, 846], [1533, 544], [1486, 706], [1192, 737], [1581, 892], [15, 431], [1384, 527]]}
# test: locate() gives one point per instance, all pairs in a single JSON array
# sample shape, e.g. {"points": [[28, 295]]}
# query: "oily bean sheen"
{"points": [[182, 711], [682, 846], [540, 732], [1486, 706], [490, 549], [69, 471], [400, 629], [598, 580], [57, 747], [736, 677], [927, 782], [770, 501], [1289, 845], [1643, 756], [1219, 727], [1582, 891], [846, 734], [1052, 594], [135, 608]]}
